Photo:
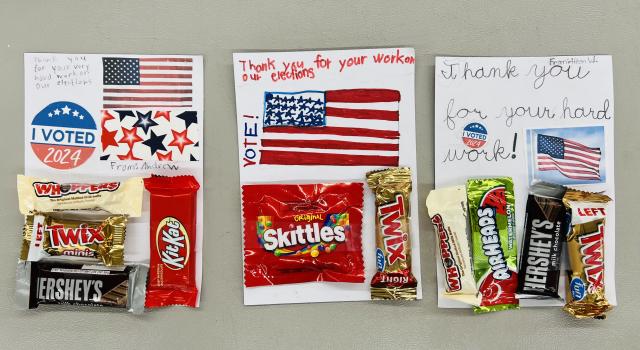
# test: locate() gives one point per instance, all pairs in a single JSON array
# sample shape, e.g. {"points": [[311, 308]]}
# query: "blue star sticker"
{"points": [[145, 122]]}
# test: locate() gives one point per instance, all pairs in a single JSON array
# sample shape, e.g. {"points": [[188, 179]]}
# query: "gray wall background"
{"points": [[215, 29]]}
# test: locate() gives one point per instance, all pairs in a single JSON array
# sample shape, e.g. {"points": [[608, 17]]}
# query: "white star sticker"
{"points": [[66, 109], [50, 114], [56, 112], [81, 117], [75, 113]]}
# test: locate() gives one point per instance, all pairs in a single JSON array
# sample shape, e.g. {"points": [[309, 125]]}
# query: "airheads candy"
{"points": [[302, 233], [448, 209], [586, 296], [117, 197], [493, 235], [63, 135], [394, 279], [172, 267]]}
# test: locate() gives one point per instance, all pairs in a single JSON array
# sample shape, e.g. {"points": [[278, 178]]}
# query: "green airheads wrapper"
{"points": [[493, 236]]}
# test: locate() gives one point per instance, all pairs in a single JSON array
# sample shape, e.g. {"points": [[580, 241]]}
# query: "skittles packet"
{"points": [[493, 235], [393, 279], [302, 233], [585, 246]]}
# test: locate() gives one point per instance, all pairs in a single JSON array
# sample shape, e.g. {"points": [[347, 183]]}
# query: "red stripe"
{"points": [[581, 146], [581, 155], [147, 99], [307, 158], [361, 113], [330, 144], [166, 67], [165, 59], [166, 83], [546, 157], [148, 91], [551, 166], [168, 76], [587, 162], [334, 130], [112, 106], [362, 95]]}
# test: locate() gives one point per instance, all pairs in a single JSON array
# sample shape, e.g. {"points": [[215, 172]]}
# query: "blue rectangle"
{"points": [[301, 109]]}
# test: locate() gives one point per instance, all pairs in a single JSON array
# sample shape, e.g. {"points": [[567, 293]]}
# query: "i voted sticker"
{"points": [[63, 135]]}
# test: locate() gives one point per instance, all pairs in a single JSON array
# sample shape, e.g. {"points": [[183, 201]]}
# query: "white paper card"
{"points": [[94, 117], [499, 116], [333, 77]]}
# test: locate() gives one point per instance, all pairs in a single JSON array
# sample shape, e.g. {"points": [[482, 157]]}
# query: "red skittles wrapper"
{"points": [[302, 233], [172, 270]]}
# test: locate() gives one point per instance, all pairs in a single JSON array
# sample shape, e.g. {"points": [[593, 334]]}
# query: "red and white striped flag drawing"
{"points": [[335, 127], [572, 159], [147, 82]]}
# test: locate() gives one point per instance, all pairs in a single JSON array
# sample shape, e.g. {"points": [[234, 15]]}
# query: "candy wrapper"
{"points": [[448, 210], [493, 235], [585, 245], [42, 195], [544, 234], [73, 236], [172, 267], [39, 283], [302, 233], [393, 279]]}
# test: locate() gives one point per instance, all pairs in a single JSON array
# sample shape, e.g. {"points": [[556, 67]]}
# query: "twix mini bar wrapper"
{"points": [[585, 246], [75, 236], [393, 279], [41, 195], [448, 210]]}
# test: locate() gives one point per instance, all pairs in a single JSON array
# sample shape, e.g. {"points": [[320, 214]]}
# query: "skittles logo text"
{"points": [[172, 242], [391, 226], [311, 238], [474, 135], [493, 203], [63, 135], [452, 270], [591, 250], [56, 190]]}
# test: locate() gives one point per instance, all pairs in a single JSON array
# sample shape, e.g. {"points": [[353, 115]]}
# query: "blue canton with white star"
{"points": [[551, 145], [300, 109]]}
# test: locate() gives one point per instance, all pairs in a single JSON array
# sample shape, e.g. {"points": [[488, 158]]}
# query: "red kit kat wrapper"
{"points": [[302, 233], [172, 270]]}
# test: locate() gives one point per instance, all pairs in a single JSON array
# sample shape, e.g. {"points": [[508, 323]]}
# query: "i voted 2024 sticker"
{"points": [[63, 135], [474, 135]]}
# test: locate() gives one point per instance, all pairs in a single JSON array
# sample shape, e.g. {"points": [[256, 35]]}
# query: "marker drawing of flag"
{"points": [[143, 82], [354, 127], [572, 159]]}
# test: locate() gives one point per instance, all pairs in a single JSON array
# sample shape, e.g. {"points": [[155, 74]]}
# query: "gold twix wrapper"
{"points": [[102, 239], [585, 244], [41, 195], [393, 279], [448, 210]]}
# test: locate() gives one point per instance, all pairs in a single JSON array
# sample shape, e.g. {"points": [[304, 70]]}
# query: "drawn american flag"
{"points": [[335, 127], [572, 159], [143, 82]]}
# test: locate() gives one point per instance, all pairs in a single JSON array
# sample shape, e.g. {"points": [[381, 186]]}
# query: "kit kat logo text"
{"points": [[56, 190], [592, 258], [452, 270], [172, 242], [63, 135], [391, 226]]}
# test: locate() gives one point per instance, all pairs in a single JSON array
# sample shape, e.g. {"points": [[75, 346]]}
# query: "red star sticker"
{"points": [[164, 114], [128, 156], [166, 156], [108, 138], [106, 116], [180, 140], [130, 137]]}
